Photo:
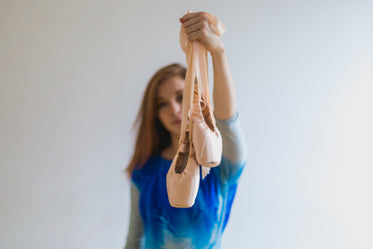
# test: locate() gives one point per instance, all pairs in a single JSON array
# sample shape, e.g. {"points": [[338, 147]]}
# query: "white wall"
{"points": [[72, 74]]}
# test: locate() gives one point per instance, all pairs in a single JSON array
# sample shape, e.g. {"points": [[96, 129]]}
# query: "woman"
{"points": [[154, 223]]}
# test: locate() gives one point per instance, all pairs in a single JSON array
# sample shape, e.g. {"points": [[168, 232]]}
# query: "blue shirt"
{"points": [[200, 226]]}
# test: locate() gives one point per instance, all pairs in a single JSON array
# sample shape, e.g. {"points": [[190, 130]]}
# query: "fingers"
{"points": [[196, 31], [188, 16], [194, 27], [194, 22], [192, 18]]}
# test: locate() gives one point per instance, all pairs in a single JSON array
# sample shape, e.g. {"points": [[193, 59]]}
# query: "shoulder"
{"points": [[154, 166], [140, 172], [234, 144]]}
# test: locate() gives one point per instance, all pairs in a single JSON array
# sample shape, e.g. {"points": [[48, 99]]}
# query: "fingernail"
{"points": [[181, 20]]}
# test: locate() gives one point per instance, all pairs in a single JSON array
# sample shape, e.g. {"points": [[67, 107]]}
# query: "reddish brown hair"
{"points": [[152, 136]]}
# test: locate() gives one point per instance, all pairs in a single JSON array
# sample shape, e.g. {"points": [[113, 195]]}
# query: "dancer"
{"points": [[154, 223]]}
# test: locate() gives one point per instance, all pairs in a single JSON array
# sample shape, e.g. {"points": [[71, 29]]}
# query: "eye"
{"points": [[161, 104], [179, 98]]}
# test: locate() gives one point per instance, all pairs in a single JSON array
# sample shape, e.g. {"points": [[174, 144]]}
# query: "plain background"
{"points": [[72, 75]]}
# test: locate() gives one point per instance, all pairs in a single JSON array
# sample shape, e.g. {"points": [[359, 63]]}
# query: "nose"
{"points": [[175, 107]]}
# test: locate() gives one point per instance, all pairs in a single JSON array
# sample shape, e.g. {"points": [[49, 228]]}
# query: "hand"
{"points": [[197, 27]]}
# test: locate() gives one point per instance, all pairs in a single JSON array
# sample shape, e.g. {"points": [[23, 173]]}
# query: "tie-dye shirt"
{"points": [[156, 224]]}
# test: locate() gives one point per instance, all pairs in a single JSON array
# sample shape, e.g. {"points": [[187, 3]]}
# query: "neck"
{"points": [[171, 150], [174, 143]]}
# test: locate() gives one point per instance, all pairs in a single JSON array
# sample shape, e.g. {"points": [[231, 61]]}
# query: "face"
{"points": [[169, 101]]}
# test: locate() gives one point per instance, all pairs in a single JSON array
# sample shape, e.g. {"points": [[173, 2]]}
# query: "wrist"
{"points": [[218, 52]]}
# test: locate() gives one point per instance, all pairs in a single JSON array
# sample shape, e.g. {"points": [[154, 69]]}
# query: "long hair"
{"points": [[152, 136]]}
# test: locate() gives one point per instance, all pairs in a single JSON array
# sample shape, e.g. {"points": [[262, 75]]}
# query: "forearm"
{"points": [[136, 229], [224, 89]]}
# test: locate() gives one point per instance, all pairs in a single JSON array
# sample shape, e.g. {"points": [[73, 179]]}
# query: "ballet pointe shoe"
{"points": [[183, 176], [207, 139]]}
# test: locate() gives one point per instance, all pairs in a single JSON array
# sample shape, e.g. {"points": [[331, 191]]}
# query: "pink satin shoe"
{"points": [[183, 176], [207, 140]]}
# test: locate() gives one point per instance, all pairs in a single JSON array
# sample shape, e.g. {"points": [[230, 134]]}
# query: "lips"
{"points": [[177, 121]]}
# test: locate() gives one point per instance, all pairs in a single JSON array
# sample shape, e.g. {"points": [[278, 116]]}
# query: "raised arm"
{"points": [[224, 90], [197, 27]]}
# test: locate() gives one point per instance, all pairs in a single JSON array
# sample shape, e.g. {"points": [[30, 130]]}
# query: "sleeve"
{"points": [[234, 149], [136, 230]]}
